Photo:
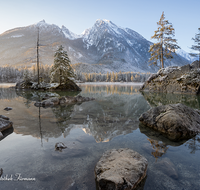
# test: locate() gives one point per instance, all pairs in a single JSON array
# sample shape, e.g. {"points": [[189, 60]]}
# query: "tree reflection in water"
{"points": [[159, 147], [193, 144]]}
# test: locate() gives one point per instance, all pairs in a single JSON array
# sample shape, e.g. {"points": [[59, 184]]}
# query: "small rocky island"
{"points": [[175, 121], [69, 85], [174, 79]]}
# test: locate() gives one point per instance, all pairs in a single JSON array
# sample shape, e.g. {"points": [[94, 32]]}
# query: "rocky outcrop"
{"points": [[175, 121], [120, 169], [174, 79], [62, 100], [4, 123], [68, 86]]}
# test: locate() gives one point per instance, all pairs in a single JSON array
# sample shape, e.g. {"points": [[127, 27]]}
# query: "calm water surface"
{"points": [[88, 130]]}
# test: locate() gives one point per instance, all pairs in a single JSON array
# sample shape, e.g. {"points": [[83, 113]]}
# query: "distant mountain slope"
{"points": [[104, 47], [186, 55]]}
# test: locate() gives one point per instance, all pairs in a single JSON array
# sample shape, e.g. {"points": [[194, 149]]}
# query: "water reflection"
{"points": [[193, 144], [7, 93], [110, 115], [155, 135], [159, 148], [111, 89], [104, 119], [157, 99], [107, 119]]}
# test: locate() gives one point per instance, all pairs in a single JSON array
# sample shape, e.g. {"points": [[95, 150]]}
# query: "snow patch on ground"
{"points": [[17, 36]]}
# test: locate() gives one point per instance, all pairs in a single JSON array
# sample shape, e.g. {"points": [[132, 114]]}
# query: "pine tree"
{"points": [[196, 47], [26, 76], [61, 70], [166, 44]]}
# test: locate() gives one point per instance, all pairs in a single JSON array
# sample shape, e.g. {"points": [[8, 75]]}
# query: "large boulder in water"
{"points": [[120, 169], [174, 79], [175, 121]]}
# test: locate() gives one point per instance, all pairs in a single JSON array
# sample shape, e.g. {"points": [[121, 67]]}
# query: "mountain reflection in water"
{"points": [[113, 113], [88, 130]]}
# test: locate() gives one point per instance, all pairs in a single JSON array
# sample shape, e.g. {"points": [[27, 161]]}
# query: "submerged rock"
{"points": [[59, 146], [174, 79], [62, 100], [120, 169], [167, 167], [4, 117], [5, 124], [7, 109], [175, 121]]}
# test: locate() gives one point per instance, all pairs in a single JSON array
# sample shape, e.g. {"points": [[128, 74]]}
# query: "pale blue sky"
{"points": [[77, 15]]}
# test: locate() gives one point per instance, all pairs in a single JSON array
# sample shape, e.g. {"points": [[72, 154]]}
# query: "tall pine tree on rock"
{"points": [[196, 47], [61, 70], [166, 44]]}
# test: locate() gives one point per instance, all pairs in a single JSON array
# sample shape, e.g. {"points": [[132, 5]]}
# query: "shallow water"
{"points": [[88, 130]]}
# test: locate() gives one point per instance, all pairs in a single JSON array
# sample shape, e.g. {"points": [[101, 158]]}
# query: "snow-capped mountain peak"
{"points": [[101, 48], [68, 34], [41, 23]]}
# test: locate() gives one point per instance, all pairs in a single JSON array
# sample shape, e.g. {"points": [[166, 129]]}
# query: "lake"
{"points": [[29, 159]]}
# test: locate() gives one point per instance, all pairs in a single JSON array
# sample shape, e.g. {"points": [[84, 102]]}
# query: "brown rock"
{"points": [[175, 121], [120, 169]]}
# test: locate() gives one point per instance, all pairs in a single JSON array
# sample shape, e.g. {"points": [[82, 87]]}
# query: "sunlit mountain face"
{"points": [[101, 48]]}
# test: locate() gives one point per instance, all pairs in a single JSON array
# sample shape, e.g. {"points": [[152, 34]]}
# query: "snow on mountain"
{"points": [[70, 35], [186, 55], [101, 48]]}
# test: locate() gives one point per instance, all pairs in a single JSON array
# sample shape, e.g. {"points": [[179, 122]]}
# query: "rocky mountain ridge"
{"points": [[104, 47]]}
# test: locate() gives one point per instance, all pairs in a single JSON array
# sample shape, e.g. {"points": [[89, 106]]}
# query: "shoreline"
{"points": [[112, 83]]}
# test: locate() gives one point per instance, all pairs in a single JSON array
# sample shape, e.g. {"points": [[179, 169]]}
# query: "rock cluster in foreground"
{"points": [[62, 100], [175, 121], [174, 79], [120, 169]]}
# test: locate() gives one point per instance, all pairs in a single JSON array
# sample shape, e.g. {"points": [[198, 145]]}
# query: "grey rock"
{"points": [[8, 108], [4, 117], [120, 169], [175, 121], [59, 146], [5, 124]]}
